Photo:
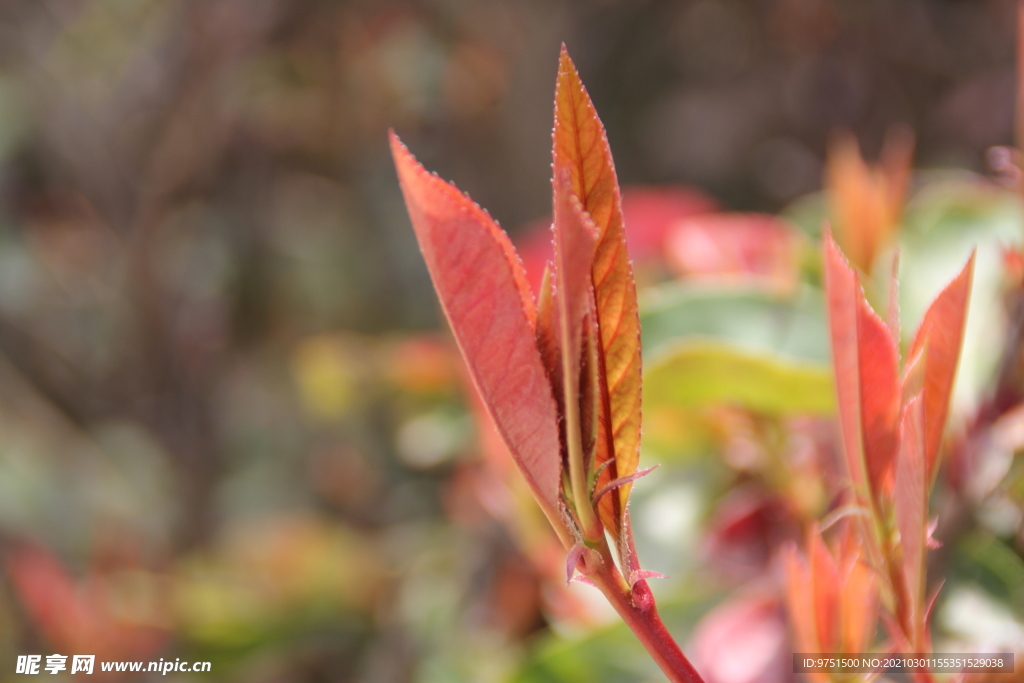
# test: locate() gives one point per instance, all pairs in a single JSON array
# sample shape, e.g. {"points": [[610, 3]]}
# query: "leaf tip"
{"points": [[564, 60]]}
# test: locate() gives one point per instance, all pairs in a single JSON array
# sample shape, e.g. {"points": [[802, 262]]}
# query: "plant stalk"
{"points": [[636, 607]]}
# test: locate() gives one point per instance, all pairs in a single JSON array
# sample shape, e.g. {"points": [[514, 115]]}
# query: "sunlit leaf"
{"points": [[581, 148], [866, 363], [484, 294]]}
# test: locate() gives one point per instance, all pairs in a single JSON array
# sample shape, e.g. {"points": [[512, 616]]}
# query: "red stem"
{"points": [[636, 607]]}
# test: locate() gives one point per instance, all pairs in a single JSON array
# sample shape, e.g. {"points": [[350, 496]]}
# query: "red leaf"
{"points": [[747, 246], [90, 615], [879, 395], [484, 294], [651, 212], [581, 147], [939, 339], [866, 361], [743, 640], [911, 496], [745, 529], [842, 290]]}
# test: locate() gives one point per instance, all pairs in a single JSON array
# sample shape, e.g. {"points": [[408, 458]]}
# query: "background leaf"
{"points": [[699, 374], [791, 326]]}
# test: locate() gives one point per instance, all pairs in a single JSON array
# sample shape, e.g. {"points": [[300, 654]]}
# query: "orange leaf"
{"points": [[484, 294], [939, 339], [824, 588], [581, 147], [866, 201], [800, 601], [858, 599], [547, 334], [833, 602]]}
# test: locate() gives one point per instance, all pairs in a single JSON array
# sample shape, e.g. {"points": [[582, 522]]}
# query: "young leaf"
{"points": [[833, 601], [581, 147], [824, 588], [547, 333], [800, 602], [911, 498], [939, 338], [484, 294], [575, 238], [880, 396], [865, 201], [858, 601], [575, 241], [866, 361], [842, 291]]}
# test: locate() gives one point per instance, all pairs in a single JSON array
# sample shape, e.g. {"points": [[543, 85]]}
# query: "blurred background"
{"points": [[232, 424]]}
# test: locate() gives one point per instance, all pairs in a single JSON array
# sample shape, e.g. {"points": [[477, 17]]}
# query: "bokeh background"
{"points": [[232, 426]]}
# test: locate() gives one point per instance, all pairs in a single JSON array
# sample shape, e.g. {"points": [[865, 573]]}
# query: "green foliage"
{"points": [[696, 374], [790, 326]]}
